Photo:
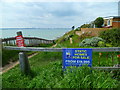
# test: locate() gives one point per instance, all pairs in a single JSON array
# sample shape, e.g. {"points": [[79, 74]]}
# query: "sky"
{"points": [[59, 14]]}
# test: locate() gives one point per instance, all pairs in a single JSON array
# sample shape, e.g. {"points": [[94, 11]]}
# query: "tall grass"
{"points": [[46, 72], [9, 55], [12, 55]]}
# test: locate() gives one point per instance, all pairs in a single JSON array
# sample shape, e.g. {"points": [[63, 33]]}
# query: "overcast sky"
{"points": [[54, 14]]}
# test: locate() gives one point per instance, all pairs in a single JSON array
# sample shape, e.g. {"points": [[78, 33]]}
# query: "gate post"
{"points": [[24, 64], [23, 59]]}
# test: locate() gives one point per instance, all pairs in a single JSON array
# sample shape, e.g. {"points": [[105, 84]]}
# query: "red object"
{"points": [[20, 41], [118, 56]]}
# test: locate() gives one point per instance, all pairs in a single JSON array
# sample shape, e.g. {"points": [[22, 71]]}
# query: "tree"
{"points": [[99, 22], [85, 26]]}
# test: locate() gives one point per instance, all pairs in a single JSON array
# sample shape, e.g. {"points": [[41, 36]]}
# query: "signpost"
{"points": [[23, 59], [77, 57]]}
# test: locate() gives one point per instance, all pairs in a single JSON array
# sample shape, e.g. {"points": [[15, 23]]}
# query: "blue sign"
{"points": [[77, 57]]}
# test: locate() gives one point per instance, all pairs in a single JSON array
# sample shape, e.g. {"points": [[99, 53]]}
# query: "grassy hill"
{"points": [[64, 41], [111, 38]]}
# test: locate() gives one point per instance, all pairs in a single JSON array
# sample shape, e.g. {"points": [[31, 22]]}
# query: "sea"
{"points": [[45, 33]]}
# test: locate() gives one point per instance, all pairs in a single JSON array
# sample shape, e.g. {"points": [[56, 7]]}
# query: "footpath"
{"points": [[13, 64]]}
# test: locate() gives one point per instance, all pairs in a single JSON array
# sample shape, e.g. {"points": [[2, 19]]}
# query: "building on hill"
{"points": [[111, 21]]}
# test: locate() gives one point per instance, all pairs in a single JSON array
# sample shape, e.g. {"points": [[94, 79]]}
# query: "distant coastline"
{"points": [[45, 33], [32, 28]]}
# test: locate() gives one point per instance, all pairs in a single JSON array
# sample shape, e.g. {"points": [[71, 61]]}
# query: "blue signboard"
{"points": [[77, 57]]}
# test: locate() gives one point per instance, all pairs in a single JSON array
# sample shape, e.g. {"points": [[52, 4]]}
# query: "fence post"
{"points": [[24, 64], [23, 59], [112, 59]]}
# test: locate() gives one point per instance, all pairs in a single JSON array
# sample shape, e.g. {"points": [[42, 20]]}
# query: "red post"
{"points": [[20, 40]]}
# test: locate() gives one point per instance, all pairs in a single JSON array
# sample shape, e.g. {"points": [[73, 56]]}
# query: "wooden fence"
{"points": [[29, 41], [108, 49], [25, 64]]}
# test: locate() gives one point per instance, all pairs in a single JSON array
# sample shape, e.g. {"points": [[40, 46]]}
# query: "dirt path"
{"points": [[79, 33], [54, 45], [13, 64]]}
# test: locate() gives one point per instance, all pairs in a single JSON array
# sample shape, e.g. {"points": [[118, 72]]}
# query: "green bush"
{"points": [[77, 29], [85, 26], [101, 44], [108, 45], [111, 36], [93, 42]]}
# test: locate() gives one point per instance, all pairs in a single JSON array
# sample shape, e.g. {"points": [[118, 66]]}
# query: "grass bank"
{"points": [[11, 56], [46, 72], [64, 41]]}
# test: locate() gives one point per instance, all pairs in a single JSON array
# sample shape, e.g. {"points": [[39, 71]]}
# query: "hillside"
{"points": [[73, 38], [47, 72], [65, 42]]}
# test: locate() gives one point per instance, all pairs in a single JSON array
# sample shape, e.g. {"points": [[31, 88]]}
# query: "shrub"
{"points": [[108, 45], [92, 42], [101, 44], [111, 36], [77, 29], [85, 26]]}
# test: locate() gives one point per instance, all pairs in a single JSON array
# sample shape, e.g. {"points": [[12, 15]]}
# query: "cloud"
{"points": [[60, 0], [54, 14], [119, 8]]}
